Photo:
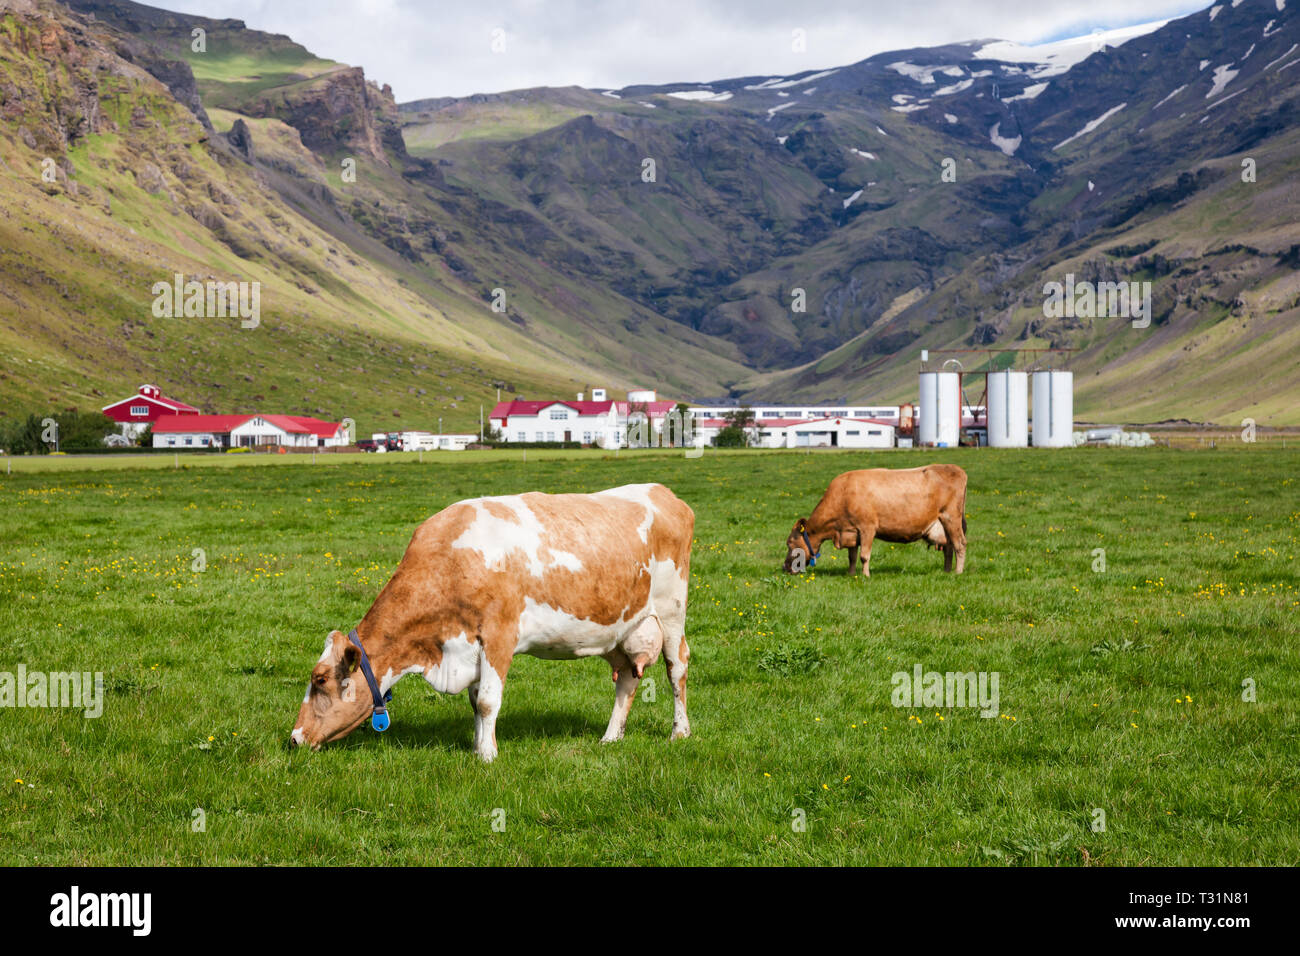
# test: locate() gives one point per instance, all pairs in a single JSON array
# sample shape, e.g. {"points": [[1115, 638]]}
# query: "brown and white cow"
{"points": [[899, 505], [555, 576]]}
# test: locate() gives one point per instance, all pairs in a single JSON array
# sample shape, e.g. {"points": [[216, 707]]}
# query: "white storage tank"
{"points": [[1053, 409], [1008, 412], [940, 419], [642, 396]]}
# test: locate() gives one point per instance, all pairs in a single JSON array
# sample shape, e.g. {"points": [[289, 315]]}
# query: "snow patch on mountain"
{"points": [[1007, 145], [955, 88], [781, 83], [1283, 56], [1055, 58], [1223, 75], [1028, 93], [1089, 127], [1169, 97], [707, 96]]}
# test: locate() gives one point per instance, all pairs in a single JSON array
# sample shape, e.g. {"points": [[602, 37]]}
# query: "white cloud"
{"points": [[445, 49]]}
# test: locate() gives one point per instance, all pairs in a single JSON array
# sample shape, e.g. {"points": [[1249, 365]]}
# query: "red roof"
{"points": [[319, 428], [505, 409], [151, 395], [217, 424], [222, 424]]}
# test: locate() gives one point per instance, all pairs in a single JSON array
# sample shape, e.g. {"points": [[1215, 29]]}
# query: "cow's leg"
{"points": [[955, 546], [868, 538], [676, 656], [853, 557], [472, 690], [625, 685], [487, 702]]}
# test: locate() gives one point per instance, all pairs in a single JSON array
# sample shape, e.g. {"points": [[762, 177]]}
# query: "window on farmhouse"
{"points": [[559, 414], [139, 409]]}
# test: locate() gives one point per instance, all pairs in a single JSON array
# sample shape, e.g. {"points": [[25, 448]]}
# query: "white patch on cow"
{"points": [[298, 736], [329, 651], [307, 696], [641, 495], [389, 679], [458, 668], [496, 538], [552, 633]]}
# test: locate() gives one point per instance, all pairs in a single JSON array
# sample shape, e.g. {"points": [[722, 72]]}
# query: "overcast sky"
{"points": [[429, 49]]}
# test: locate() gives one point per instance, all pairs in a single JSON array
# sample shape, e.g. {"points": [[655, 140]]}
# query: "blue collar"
{"points": [[807, 543], [379, 716]]}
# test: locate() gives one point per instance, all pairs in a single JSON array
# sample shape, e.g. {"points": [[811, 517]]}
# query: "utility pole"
{"points": [[480, 423]]}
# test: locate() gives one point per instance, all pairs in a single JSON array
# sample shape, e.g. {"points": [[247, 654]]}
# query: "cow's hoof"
{"points": [[611, 739], [487, 756], [680, 733]]}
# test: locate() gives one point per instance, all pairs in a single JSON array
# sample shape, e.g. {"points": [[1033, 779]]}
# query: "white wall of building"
{"points": [[183, 440], [551, 423], [258, 431], [779, 410]]}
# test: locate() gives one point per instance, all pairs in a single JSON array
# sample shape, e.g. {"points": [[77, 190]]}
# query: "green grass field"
{"points": [[1120, 691]]}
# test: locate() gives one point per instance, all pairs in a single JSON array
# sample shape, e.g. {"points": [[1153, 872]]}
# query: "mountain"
{"points": [[653, 235]]}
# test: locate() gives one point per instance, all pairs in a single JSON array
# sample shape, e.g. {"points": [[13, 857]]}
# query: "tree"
{"points": [[23, 437], [735, 434]]}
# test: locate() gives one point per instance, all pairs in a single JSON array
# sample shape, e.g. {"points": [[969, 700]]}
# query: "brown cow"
{"points": [[555, 576], [899, 505]]}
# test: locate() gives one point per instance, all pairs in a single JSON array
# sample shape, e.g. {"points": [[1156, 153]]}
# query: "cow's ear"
{"points": [[351, 658], [801, 525]]}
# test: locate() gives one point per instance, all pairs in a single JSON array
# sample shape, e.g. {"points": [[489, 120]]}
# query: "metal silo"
{"points": [[940, 421], [1008, 413], [1053, 409]]}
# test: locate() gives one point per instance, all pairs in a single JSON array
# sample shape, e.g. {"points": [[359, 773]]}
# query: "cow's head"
{"points": [[338, 700], [797, 556]]}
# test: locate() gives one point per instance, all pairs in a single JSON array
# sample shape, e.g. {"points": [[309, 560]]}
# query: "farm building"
{"points": [[145, 407], [246, 431], [785, 410], [426, 441], [598, 421], [806, 432]]}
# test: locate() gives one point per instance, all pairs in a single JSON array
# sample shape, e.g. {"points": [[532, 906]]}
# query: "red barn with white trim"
{"points": [[144, 408]]}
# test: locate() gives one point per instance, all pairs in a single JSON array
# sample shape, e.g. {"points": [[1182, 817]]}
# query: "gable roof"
{"points": [[216, 424], [173, 405], [506, 409], [318, 427]]}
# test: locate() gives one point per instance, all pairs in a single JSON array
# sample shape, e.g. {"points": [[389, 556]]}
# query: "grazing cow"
{"points": [[555, 576], [901, 505]]}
